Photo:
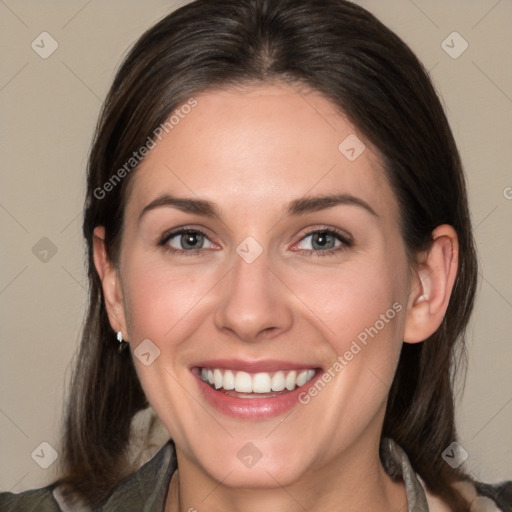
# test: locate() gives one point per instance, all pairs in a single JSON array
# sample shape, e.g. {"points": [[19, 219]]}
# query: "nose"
{"points": [[254, 304]]}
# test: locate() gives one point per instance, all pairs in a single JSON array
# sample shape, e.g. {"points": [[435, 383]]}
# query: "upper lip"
{"points": [[254, 366]]}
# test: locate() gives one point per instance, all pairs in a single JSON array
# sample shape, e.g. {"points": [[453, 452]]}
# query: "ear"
{"points": [[111, 283], [432, 285]]}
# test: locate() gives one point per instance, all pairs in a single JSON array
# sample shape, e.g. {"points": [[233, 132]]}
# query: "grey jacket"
{"points": [[146, 489]]}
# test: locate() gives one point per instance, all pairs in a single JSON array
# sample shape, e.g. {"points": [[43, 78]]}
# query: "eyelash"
{"points": [[345, 241], [181, 231]]}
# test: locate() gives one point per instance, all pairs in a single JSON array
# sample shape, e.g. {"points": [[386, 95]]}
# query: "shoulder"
{"points": [[37, 500], [481, 497], [145, 489], [487, 497]]}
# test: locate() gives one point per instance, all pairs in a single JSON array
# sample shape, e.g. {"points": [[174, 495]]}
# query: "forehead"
{"points": [[260, 146]]}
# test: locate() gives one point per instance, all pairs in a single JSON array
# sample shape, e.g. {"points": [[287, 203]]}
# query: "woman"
{"points": [[279, 240]]}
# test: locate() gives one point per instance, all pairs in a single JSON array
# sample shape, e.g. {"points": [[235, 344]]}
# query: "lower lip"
{"points": [[252, 408]]}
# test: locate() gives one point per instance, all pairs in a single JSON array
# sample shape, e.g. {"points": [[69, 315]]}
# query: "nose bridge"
{"points": [[252, 301]]}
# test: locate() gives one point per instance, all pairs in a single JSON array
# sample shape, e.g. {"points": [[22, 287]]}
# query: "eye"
{"points": [[186, 240], [323, 242]]}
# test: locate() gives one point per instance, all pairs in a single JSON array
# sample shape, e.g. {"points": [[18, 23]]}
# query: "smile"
{"points": [[253, 390], [248, 384]]}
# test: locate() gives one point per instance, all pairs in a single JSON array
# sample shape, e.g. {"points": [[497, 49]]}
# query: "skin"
{"points": [[252, 151]]}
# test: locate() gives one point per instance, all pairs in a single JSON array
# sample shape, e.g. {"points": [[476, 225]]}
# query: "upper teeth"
{"points": [[262, 382]]}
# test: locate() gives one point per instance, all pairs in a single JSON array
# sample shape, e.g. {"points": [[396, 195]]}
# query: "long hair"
{"points": [[342, 51]]}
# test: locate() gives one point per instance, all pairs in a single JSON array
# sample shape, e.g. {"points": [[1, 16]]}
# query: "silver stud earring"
{"points": [[122, 344]]}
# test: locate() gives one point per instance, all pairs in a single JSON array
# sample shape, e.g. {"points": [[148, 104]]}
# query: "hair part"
{"points": [[342, 51]]}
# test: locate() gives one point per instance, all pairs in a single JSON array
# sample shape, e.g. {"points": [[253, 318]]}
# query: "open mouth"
{"points": [[241, 384], [253, 390]]}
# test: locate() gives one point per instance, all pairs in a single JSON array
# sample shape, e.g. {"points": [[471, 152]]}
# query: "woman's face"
{"points": [[292, 268]]}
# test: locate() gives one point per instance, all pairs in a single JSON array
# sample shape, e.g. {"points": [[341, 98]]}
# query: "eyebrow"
{"points": [[322, 202], [185, 204], [297, 207]]}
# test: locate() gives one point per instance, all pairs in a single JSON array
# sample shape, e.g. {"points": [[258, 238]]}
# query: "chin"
{"points": [[254, 465]]}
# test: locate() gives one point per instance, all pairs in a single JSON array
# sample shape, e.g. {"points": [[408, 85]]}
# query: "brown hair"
{"points": [[342, 51]]}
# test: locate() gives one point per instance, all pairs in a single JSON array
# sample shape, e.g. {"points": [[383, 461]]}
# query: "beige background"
{"points": [[49, 109]]}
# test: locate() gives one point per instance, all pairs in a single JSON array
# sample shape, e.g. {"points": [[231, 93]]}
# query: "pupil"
{"points": [[321, 240], [189, 240]]}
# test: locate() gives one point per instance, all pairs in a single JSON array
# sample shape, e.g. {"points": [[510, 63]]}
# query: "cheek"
{"points": [[159, 298], [361, 310], [355, 300], [165, 304]]}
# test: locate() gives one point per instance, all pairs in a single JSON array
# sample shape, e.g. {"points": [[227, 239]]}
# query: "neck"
{"points": [[353, 481]]}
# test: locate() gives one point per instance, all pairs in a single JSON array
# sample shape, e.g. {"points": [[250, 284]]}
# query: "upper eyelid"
{"points": [[183, 229], [345, 239], [164, 239], [336, 232]]}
